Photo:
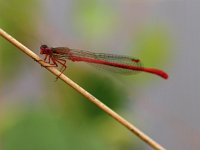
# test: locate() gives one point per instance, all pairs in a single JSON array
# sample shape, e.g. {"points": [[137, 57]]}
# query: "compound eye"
{"points": [[43, 46]]}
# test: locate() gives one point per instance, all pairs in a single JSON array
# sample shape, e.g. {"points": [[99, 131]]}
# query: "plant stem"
{"points": [[82, 91]]}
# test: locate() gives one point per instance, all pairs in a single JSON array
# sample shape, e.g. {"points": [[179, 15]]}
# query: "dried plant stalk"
{"points": [[82, 91]]}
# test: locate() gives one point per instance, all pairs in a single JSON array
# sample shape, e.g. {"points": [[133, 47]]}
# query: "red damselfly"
{"points": [[115, 63]]}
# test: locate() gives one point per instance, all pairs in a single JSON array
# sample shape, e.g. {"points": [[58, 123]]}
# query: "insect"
{"points": [[112, 62]]}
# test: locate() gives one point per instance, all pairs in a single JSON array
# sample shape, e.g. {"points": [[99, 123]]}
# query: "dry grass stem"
{"points": [[79, 89]]}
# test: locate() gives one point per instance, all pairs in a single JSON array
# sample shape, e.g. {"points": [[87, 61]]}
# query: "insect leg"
{"points": [[54, 64], [63, 64], [49, 60], [45, 58], [60, 61]]}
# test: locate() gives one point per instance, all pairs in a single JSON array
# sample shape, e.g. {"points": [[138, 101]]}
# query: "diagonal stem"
{"points": [[86, 94]]}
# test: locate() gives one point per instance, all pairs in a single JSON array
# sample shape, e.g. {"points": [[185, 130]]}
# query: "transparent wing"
{"points": [[109, 58]]}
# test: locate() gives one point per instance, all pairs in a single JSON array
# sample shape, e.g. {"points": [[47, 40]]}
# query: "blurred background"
{"points": [[37, 113]]}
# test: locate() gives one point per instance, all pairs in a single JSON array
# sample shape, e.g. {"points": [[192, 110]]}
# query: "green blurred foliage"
{"points": [[94, 18], [101, 86], [105, 89], [43, 130], [153, 44], [62, 118], [77, 109], [17, 18]]}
